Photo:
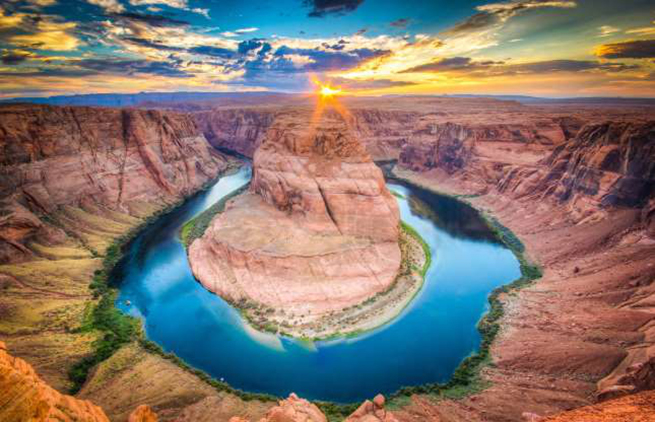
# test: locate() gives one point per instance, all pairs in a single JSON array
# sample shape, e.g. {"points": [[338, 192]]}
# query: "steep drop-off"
{"points": [[318, 231], [65, 161], [584, 332]]}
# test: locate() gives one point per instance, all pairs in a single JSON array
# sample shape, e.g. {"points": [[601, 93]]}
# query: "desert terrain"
{"points": [[574, 182]]}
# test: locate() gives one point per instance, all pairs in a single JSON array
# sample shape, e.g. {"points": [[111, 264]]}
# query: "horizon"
{"points": [[540, 48]]}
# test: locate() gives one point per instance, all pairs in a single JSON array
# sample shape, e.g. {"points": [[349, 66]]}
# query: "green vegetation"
{"points": [[116, 329], [195, 228], [119, 329], [426, 248]]}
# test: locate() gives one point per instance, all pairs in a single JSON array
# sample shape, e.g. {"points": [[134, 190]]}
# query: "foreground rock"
{"points": [[25, 397], [317, 233]]}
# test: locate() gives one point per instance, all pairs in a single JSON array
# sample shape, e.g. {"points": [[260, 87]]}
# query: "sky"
{"points": [[366, 47]]}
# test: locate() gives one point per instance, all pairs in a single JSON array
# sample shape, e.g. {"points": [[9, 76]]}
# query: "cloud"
{"points": [[607, 30], [643, 49], [251, 45], [354, 84], [49, 35], [494, 14], [14, 57], [323, 8], [132, 67], [203, 12], [177, 4], [400, 23], [246, 30], [485, 68], [322, 60], [110, 6], [647, 30], [152, 20], [212, 51]]}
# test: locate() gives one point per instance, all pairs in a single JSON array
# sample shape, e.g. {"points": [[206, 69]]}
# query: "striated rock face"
{"points": [[25, 397], [325, 177], [90, 158], [318, 231], [448, 146], [240, 130], [611, 164]]}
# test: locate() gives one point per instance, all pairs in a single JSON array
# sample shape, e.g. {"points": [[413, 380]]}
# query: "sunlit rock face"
{"points": [[100, 160], [318, 230]]}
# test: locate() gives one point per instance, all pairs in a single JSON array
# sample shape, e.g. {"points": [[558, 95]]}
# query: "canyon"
{"points": [[576, 183]]}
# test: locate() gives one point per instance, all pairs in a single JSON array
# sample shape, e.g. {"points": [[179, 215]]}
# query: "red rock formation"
{"points": [[294, 409], [240, 130], [372, 411], [317, 233], [142, 413], [88, 157], [25, 397], [634, 408]]}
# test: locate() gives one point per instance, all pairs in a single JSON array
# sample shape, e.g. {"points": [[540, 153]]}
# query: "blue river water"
{"points": [[424, 344]]}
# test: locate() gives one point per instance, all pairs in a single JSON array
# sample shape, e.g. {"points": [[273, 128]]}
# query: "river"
{"points": [[424, 344]]}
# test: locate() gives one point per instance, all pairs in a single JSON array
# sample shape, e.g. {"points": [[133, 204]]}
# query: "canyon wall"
{"points": [[318, 231], [584, 210], [24, 396], [63, 159]]}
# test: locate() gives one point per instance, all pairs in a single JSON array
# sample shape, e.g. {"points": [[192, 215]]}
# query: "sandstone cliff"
{"points": [[318, 231], [25, 397], [63, 159]]}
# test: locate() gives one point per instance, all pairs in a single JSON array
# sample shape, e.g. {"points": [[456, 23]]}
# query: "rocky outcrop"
{"points": [[634, 408], [25, 397], [95, 159], [611, 164], [294, 409], [318, 231], [372, 411], [142, 413], [239, 130]]}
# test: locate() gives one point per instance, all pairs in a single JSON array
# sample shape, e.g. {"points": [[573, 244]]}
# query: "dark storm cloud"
{"points": [[131, 67], [453, 63], [475, 22], [497, 68], [48, 72], [400, 23], [644, 49], [151, 44], [568, 66], [496, 13], [323, 8], [152, 20], [11, 58], [207, 50], [255, 44], [371, 84]]}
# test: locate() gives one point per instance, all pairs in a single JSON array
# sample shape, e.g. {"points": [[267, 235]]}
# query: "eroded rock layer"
{"points": [[318, 230], [93, 159]]}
